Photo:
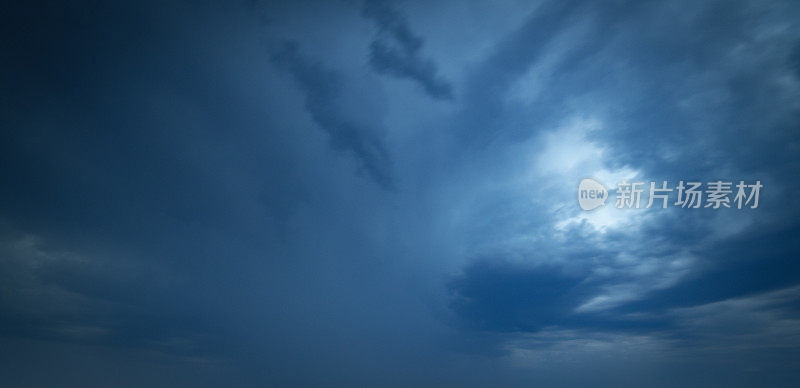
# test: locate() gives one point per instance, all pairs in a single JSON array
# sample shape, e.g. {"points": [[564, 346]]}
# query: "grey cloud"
{"points": [[396, 51], [160, 166], [484, 109]]}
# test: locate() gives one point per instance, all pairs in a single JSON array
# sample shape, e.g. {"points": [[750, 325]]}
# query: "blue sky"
{"points": [[384, 193]]}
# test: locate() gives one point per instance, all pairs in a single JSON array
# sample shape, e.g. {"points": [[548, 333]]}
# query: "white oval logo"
{"points": [[591, 194]]}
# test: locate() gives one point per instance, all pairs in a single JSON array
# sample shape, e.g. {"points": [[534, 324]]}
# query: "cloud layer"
{"points": [[249, 194]]}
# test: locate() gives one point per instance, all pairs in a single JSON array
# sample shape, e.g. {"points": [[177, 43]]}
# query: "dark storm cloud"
{"points": [[396, 51], [169, 212], [747, 265], [116, 160], [498, 296], [675, 92], [159, 207], [322, 88]]}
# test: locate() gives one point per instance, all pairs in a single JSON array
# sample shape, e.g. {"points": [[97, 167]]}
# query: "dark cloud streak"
{"points": [[322, 88], [396, 51]]}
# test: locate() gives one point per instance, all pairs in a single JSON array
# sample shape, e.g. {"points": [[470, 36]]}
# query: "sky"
{"points": [[374, 193]]}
